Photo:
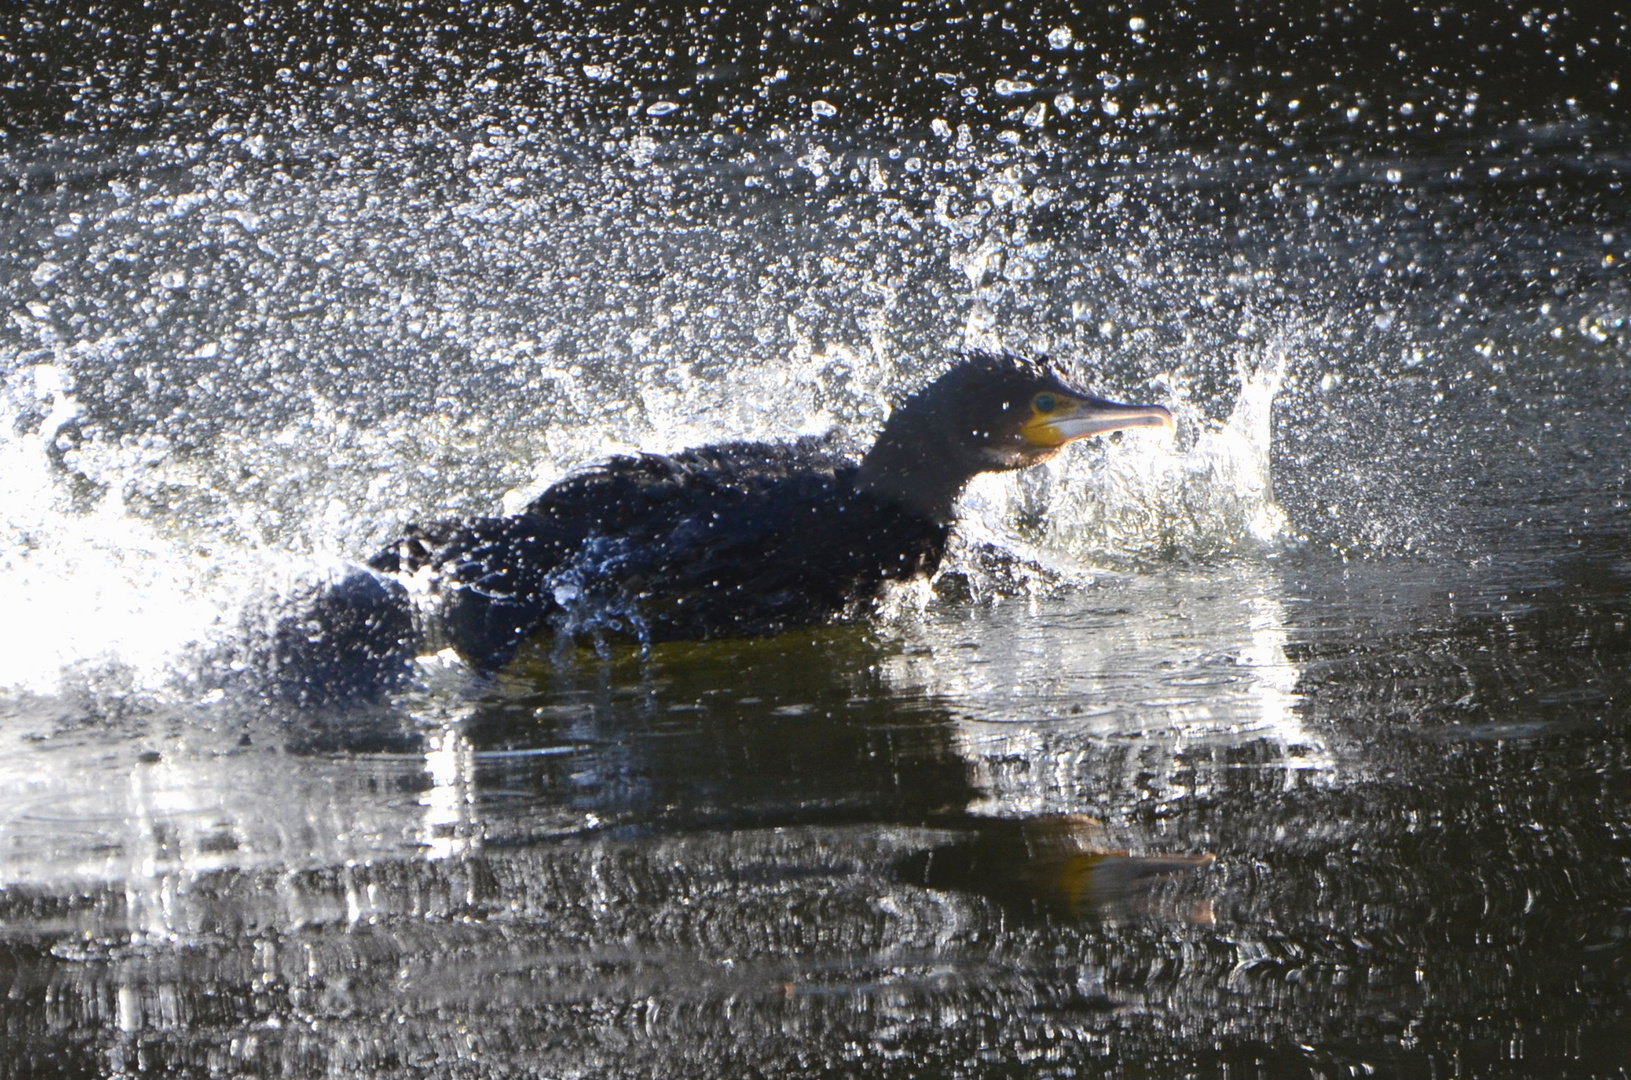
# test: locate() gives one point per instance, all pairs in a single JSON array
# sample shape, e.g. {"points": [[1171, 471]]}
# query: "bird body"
{"points": [[732, 540], [735, 540]]}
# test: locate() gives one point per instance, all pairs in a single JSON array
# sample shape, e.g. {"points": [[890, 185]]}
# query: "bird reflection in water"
{"points": [[798, 732], [1061, 866]]}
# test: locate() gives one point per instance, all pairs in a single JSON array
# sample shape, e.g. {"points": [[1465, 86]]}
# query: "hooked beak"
{"points": [[1086, 417]]}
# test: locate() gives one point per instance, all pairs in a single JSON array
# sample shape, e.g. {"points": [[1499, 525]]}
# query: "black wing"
{"points": [[731, 540], [649, 531]]}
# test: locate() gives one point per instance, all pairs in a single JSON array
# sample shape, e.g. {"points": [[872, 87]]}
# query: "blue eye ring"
{"points": [[1044, 403]]}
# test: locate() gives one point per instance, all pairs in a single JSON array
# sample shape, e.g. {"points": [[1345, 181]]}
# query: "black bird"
{"points": [[740, 539]]}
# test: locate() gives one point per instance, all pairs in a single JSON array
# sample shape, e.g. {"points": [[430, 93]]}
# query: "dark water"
{"points": [[1295, 746]]}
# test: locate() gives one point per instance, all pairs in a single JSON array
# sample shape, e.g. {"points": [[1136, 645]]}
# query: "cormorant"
{"points": [[739, 539]]}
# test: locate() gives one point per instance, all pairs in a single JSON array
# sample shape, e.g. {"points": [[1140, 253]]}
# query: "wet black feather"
{"points": [[743, 539]]}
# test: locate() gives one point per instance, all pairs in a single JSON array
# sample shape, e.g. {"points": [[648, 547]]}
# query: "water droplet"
{"points": [[45, 273], [1065, 104], [1135, 24], [642, 149], [1011, 87], [248, 219], [1059, 37], [661, 108], [823, 108]]}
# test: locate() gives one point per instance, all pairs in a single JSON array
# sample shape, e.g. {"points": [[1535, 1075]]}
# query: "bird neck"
{"points": [[922, 475]]}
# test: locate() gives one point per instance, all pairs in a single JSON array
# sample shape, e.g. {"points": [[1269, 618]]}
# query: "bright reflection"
{"points": [[447, 825], [1127, 688], [1274, 689]]}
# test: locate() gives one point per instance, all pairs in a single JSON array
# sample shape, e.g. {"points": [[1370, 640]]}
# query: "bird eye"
{"points": [[1044, 403]]}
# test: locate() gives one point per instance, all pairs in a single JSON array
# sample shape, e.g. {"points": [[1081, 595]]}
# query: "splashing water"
{"points": [[280, 369], [1149, 497], [85, 588], [100, 585]]}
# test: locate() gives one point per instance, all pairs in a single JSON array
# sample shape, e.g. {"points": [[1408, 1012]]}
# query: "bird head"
{"points": [[1011, 413], [987, 414]]}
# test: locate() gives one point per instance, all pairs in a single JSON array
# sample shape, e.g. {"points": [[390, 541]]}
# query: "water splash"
{"points": [[254, 399], [162, 552], [85, 589]]}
